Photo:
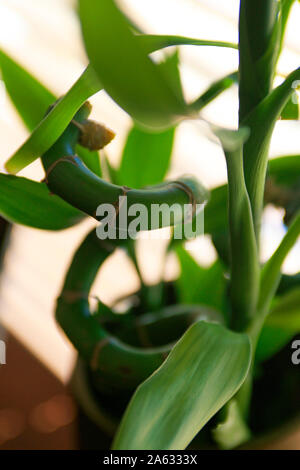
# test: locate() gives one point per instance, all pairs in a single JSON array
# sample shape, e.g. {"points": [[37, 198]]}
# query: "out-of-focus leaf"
{"points": [[285, 170], [288, 282], [124, 68], [146, 156], [53, 125], [215, 212], [169, 67], [286, 6], [203, 371], [282, 324], [291, 109], [198, 285], [32, 99], [91, 159], [271, 271], [111, 173], [153, 42], [30, 203], [29, 96], [214, 90], [272, 339], [232, 431]]}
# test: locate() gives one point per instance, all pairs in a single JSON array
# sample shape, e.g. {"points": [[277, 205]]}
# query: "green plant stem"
{"points": [[270, 278], [244, 283], [76, 184], [259, 41], [114, 363]]}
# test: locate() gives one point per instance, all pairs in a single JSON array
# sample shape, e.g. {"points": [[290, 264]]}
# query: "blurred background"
{"points": [[36, 409]]}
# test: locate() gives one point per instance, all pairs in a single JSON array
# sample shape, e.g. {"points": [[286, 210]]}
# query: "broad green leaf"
{"points": [[53, 125], [203, 371], [127, 73], [232, 431], [30, 203], [146, 157], [29, 96], [282, 324], [198, 285], [32, 99], [215, 212]]}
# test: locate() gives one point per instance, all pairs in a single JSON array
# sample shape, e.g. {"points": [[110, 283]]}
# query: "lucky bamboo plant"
{"points": [[187, 351]]}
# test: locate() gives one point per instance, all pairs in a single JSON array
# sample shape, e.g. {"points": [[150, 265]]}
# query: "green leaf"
{"points": [[215, 215], [29, 96], [286, 6], [32, 99], [203, 371], [214, 90], [261, 122], [198, 285], [146, 157], [271, 274], [285, 170], [152, 42], [30, 203], [53, 125], [282, 324], [127, 73]]}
